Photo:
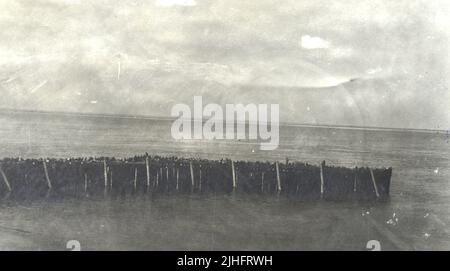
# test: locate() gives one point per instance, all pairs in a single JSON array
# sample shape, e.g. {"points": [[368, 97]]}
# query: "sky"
{"points": [[353, 62]]}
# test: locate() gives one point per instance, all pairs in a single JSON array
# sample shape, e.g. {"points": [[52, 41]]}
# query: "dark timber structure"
{"points": [[156, 174]]}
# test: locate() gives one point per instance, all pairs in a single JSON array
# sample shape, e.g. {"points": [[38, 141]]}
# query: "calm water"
{"points": [[416, 217]]}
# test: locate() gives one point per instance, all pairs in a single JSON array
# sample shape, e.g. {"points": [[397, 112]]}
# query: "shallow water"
{"points": [[417, 216]]}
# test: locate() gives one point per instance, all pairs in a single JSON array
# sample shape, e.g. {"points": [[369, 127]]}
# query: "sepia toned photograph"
{"points": [[224, 125]]}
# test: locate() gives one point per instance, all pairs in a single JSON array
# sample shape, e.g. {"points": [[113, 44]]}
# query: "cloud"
{"points": [[309, 42], [170, 3], [374, 70]]}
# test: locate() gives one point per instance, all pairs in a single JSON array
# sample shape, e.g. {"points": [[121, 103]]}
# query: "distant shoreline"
{"points": [[163, 118]]}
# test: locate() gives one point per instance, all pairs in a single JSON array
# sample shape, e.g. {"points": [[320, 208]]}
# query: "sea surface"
{"points": [[417, 216]]}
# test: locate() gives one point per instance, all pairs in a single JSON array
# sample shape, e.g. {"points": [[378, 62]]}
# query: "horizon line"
{"points": [[287, 123]]}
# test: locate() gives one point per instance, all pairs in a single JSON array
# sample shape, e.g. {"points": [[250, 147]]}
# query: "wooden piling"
{"points": [[105, 173], [49, 183], [374, 183], [135, 178], [278, 176], [321, 179], [5, 179], [262, 182], [178, 176], [192, 175], [147, 170], [85, 182], [233, 173], [48, 193], [354, 183], [200, 179], [167, 178], [110, 178]]}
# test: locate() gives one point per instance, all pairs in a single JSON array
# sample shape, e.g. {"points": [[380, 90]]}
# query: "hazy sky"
{"points": [[352, 62]]}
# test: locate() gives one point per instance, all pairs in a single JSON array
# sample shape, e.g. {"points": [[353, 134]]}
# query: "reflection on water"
{"points": [[416, 217]]}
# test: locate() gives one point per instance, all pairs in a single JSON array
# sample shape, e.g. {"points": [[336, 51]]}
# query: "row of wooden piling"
{"points": [[328, 187]]}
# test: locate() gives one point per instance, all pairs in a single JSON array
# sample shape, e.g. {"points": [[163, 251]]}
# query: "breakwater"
{"points": [[155, 174]]}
